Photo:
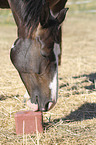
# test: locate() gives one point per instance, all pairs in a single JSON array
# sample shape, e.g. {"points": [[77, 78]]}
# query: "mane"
{"points": [[31, 13]]}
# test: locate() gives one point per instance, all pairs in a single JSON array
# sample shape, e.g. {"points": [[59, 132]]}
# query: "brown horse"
{"points": [[35, 52], [55, 6]]}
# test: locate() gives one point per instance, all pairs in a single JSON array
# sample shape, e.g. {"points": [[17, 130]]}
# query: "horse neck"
{"points": [[26, 16], [16, 7]]}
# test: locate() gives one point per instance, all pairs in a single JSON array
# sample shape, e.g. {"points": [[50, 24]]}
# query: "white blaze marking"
{"points": [[54, 84], [56, 51], [54, 88]]}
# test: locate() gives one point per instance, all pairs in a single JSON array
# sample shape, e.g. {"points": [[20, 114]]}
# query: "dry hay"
{"points": [[68, 124], [73, 119]]}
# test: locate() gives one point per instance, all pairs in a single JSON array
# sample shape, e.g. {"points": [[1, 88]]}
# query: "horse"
{"points": [[55, 7], [35, 52]]}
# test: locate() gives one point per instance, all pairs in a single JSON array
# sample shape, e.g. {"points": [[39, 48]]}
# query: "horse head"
{"points": [[36, 59]]}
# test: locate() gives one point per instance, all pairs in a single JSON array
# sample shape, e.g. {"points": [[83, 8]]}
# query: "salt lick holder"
{"points": [[28, 122]]}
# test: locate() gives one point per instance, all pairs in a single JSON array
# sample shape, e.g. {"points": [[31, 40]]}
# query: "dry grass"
{"points": [[9, 78], [73, 119]]}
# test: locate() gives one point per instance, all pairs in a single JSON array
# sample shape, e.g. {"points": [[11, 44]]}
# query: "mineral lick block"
{"points": [[28, 122]]}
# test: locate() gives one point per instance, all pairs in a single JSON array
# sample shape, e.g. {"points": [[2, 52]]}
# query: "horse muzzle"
{"points": [[36, 107]]}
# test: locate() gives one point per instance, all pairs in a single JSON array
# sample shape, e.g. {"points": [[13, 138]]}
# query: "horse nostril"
{"points": [[46, 106], [49, 106], [37, 100]]}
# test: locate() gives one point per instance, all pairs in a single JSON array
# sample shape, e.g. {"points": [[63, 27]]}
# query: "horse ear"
{"points": [[45, 15], [61, 16]]}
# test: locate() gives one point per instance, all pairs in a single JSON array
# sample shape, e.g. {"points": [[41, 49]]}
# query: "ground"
{"points": [[73, 120]]}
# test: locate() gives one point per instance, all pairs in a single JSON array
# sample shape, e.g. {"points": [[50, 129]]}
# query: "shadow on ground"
{"points": [[83, 84], [4, 97], [84, 112], [91, 77]]}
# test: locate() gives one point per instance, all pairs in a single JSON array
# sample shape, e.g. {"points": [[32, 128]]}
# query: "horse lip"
{"points": [[33, 106]]}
